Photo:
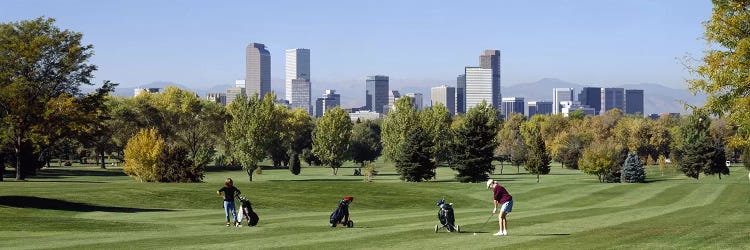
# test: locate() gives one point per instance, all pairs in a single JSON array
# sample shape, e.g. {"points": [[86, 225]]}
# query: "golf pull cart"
{"points": [[445, 215], [341, 214]]}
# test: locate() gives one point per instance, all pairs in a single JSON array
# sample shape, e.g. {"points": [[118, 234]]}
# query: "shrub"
{"points": [[295, 168], [175, 166], [142, 153], [370, 172]]}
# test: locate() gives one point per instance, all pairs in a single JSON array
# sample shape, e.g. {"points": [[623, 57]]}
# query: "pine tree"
{"points": [[699, 152], [474, 143], [632, 170], [414, 159]]}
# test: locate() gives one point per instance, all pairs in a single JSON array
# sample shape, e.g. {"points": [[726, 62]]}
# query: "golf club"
{"points": [[485, 223]]}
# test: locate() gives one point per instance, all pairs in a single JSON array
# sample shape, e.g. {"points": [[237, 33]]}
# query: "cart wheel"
{"points": [[350, 224], [436, 228], [458, 228]]}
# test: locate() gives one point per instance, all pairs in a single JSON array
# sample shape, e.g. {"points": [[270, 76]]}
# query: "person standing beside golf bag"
{"points": [[502, 197], [229, 193]]}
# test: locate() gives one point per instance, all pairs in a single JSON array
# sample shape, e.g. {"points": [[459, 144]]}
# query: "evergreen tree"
{"points": [[295, 168], [474, 143], [632, 170], [698, 151], [414, 159]]}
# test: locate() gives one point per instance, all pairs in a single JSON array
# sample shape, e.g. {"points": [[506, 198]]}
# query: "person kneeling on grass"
{"points": [[501, 196], [229, 193]]}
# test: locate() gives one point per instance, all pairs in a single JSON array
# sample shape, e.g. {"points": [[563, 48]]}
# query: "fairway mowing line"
{"points": [[571, 194], [528, 233]]}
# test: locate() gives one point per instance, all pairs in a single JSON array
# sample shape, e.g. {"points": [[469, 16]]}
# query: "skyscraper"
{"points": [[257, 70], [560, 95], [298, 78], [592, 97], [542, 108], [329, 100], [612, 98], [483, 82], [416, 99], [220, 98], [478, 86], [376, 93], [634, 101], [460, 94], [445, 95], [512, 105]]}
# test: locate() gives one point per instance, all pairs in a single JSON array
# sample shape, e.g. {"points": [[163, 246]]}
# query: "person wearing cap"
{"points": [[502, 197]]}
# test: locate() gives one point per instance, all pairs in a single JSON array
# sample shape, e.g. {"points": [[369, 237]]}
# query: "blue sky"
{"points": [[201, 43]]}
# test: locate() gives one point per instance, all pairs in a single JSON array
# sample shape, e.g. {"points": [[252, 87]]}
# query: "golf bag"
{"points": [[246, 210], [445, 215], [341, 214]]}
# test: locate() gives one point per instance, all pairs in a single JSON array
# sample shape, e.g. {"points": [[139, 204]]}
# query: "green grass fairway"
{"points": [[89, 208]]}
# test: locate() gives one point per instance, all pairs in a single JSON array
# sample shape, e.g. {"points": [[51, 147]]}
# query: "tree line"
{"points": [[174, 135]]}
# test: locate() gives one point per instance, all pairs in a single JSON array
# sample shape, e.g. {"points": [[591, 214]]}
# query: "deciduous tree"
{"points": [[331, 138]]}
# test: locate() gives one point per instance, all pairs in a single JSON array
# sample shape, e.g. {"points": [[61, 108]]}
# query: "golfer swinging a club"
{"points": [[502, 197]]}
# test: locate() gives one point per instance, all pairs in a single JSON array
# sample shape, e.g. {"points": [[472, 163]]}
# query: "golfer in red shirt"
{"points": [[502, 197]]}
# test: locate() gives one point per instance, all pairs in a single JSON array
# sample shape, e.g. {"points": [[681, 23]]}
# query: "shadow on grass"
{"points": [[55, 204], [60, 172]]}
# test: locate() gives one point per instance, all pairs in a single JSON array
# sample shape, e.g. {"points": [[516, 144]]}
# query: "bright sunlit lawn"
{"points": [[87, 207]]}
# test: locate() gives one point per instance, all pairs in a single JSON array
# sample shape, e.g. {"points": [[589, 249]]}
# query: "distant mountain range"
{"points": [[657, 98]]}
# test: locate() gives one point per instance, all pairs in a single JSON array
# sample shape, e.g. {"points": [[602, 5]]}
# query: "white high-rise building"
{"points": [[483, 82], [239, 83], [560, 95], [478, 86], [445, 95], [298, 68]]}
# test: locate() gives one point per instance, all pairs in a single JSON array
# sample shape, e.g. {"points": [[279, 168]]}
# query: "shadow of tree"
{"points": [[55, 204]]}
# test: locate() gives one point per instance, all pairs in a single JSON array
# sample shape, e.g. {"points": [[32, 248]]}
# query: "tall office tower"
{"points": [[239, 83], [300, 95], [329, 100], [257, 70], [483, 82], [460, 94], [491, 60], [478, 86], [298, 68], [220, 98], [232, 94], [541, 108], [445, 95], [612, 98], [416, 100], [513, 105], [560, 95], [592, 97], [634, 101], [376, 93]]}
